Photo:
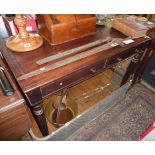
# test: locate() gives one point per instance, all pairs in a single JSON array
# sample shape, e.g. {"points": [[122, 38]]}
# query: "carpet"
{"points": [[125, 121]]}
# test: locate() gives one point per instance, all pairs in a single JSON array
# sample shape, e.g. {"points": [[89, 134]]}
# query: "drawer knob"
{"points": [[60, 83], [92, 70]]}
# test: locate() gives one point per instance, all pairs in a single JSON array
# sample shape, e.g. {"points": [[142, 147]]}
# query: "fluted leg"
{"points": [[40, 118]]}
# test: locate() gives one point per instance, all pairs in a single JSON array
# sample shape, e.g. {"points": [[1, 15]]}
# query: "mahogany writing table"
{"points": [[37, 83]]}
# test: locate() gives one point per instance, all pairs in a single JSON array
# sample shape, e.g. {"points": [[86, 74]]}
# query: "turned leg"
{"points": [[39, 115]]}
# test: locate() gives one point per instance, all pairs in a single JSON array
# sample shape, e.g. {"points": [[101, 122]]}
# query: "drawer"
{"points": [[125, 54], [73, 78], [119, 57]]}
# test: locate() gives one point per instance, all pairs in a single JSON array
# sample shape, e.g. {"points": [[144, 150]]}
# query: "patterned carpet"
{"points": [[126, 120]]}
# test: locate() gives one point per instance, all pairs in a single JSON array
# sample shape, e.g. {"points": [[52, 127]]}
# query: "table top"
{"points": [[23, 63]]}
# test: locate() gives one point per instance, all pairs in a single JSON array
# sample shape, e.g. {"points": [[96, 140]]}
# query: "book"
{"points": [[130, 27]]}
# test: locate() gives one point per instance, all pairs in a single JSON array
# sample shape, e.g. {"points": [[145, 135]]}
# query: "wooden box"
{"points": [[60, 28]]}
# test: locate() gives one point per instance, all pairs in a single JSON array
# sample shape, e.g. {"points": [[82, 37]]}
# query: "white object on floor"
{"points": [[149, 134]]}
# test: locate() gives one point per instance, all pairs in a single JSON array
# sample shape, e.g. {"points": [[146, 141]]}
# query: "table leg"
{"points": [[139, 64], [133, 67], [144, 63], [40, 118]]}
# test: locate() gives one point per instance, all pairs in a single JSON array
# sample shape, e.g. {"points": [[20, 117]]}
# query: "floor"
{"points": [[126, 120]]}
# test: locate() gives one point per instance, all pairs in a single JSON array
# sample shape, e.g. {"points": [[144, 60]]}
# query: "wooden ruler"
{"points": [[73, 51]]}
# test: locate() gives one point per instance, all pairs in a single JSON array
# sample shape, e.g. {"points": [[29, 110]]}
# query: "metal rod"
{"points": [[72, 51]]}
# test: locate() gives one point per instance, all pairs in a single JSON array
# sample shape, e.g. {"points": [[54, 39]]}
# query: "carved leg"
{"points": [[40, 118], [139, 56], [133, 67], [144, 63]]}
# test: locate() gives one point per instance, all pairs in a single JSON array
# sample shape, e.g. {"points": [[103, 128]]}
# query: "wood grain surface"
{"points": [[14, 118]]}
